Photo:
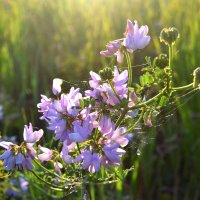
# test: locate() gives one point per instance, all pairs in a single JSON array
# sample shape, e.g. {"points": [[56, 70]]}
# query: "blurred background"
{"points": [[45, 39]]}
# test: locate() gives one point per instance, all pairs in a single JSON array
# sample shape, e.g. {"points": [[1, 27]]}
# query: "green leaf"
{"points": [[81, 103], [163, 101], [146, 79]]}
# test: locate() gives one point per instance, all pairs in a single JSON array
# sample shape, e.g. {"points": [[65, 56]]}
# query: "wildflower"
{"points": [[106, 126], [91, 161], [61, 113], [13, 157], [65, 152], [112, 154], [21, 156], [21, 184], [96, 79], [105, 93], [117, 137], [81, 131], [44, 106], [46, 155], [56, 86], [31, 136], [58, 166], [8, 156], [135, 37], [147, 120], [112, 48]]}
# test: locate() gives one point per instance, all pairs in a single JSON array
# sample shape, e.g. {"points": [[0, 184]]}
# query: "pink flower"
{"points": [[56, 86], [31, 136], [135, 37], [58, 166], [112, 155], [46, 155], [13, 157], [91, 161], [112, 48], [119, 138], [96, 79]]}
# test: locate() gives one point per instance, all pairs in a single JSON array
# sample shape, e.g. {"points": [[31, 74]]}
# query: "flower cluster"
{"points": [[18, 188], [135, 38], [85, 126], [21, 156]]}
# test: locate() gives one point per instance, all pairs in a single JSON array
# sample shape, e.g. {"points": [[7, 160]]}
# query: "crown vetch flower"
{"points": [[8, 156], [112, 154], [112, 48], [96, 79], [46, 155], [58, 166], [57, 86], [64, 154], [81, 131], [23, 184], [119, 138], [31, 136], [44, 106], [106, 126], [16, 156], [91, 161], [135, 37], [103, 92]]}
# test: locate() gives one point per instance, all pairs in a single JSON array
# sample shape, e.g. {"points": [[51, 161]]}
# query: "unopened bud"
{"points": [[196, 77], [106, 73], [161, 61], [147, 119], [169, 35]]}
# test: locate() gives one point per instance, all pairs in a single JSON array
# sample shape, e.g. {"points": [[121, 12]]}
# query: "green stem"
{"points": [[7, 175], [175, 89], [79, 150], [121, 116], [129, 68], [146, 103], [136, 123], [47, 170], [57, 187], [170, 56], [185, 87], [169, 84], [113, 89]]}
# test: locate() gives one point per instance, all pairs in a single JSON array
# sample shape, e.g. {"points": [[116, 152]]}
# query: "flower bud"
{"points": [[106, 73], [196, 77], [169, 35], [161, 61]]}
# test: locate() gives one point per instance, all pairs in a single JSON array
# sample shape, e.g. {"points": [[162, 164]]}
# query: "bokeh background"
{"points": [[44, 39]]}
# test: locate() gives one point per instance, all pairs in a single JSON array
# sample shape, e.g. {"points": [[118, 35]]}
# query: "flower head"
{"points": [[46, 155], [31, 136], [57, 86], [135, 37], [91, 161], [16, 156]]}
